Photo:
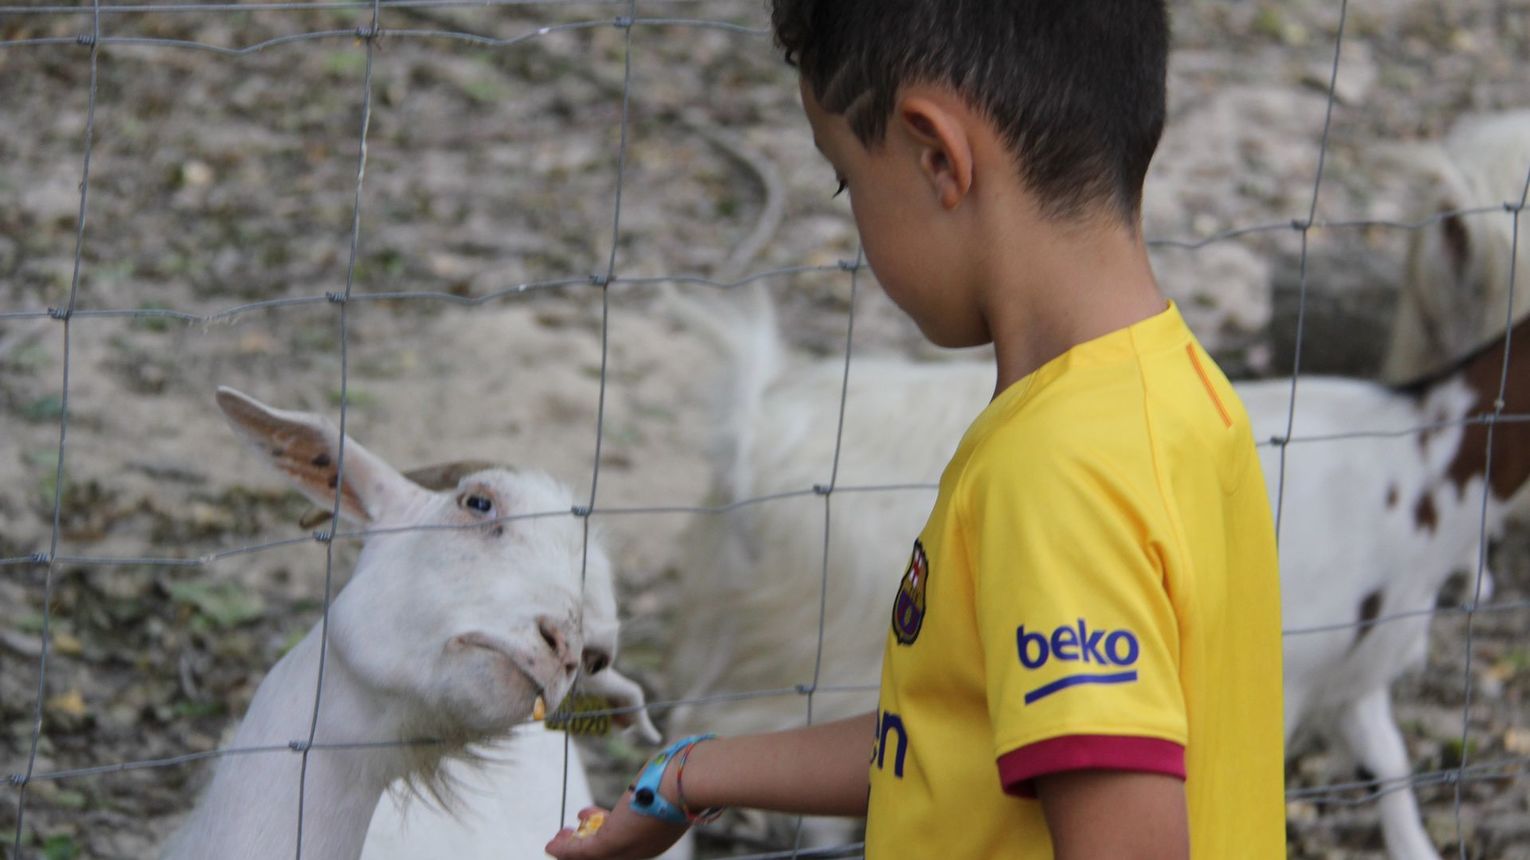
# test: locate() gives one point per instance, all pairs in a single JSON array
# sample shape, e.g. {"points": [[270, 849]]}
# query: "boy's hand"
{"points": [[625, 835]]}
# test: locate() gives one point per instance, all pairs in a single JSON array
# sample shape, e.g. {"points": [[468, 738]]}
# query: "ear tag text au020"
{"points": [[579, 714]]}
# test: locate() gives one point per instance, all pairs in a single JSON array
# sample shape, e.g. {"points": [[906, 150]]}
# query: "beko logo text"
{"points": [[1077, 643]]}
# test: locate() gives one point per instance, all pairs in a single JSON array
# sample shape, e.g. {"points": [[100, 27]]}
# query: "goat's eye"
{"points": [[481, 504], [595, 661]]}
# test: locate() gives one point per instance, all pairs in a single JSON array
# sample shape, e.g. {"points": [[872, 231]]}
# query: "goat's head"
{"points": [[466, 603], [1456, 286], [1451, 288]]}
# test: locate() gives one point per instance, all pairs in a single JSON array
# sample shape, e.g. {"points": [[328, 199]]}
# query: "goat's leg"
{"points": [[1469, 565], [1373, 738]]}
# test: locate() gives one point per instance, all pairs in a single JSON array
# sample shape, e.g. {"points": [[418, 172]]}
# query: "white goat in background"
{"points": [[459, 616], [1372, 527]]}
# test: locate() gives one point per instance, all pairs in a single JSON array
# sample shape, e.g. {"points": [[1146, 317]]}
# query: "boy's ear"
{"points": [[944, 149]]}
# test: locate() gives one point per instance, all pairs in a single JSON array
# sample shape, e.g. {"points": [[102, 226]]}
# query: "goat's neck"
{"points": [[250, 809], [1482, 375]]}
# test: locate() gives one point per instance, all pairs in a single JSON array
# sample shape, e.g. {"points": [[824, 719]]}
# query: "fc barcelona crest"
{"points": [[908, 609]]}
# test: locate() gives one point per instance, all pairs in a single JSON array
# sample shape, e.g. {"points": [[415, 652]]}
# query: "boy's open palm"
{"points": [[625, 835]]}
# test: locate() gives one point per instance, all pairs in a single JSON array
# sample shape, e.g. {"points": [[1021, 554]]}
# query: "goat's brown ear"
{"points": [[306, 448], [1458, 244]]}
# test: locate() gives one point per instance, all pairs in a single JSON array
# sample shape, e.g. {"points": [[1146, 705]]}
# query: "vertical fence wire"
{"points": [[64, 316], [827, 492], [368, 37], [603, 283], [1515, 209], [1305, 228]]}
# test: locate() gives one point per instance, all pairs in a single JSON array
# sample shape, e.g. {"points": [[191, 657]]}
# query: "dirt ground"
{"points": [[218, 181]]}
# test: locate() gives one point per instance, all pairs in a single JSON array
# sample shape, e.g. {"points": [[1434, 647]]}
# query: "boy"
{"points": [[1084, 653]]}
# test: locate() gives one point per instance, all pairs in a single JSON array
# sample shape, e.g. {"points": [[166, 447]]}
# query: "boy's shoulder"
{"points": [[1064, 413], [1073, 433], [1119, 413]]}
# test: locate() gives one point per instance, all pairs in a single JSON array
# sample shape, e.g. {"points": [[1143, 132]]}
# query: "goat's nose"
{"points": [[554, 634]]}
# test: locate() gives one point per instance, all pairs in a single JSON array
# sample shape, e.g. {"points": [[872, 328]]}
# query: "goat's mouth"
{"points": [[511, 660]]}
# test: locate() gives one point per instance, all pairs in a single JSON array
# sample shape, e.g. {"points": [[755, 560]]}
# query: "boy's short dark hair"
{"points": [[1075, 87]]}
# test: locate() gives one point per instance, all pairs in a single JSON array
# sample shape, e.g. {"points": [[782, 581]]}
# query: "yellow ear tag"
{"points": [[539, 709], [580, 714]]}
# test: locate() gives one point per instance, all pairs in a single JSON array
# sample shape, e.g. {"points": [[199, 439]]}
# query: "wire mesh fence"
{"points": [[609, 282]]}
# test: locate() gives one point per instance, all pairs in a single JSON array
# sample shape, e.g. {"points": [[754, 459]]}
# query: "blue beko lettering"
{"points": [[1091, 642], [1070, 643], [1028, 641], [1128, 645], [887, 723], [1065, 643]]}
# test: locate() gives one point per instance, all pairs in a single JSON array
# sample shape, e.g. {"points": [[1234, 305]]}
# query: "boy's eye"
{"points": [[842, 185]]}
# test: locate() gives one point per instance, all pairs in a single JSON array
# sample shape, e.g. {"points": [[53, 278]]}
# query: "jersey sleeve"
{"points": [[1080, 638]]}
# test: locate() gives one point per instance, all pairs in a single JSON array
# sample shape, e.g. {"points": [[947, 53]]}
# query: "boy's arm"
{"points": [[1095, 814], [816, 770]]}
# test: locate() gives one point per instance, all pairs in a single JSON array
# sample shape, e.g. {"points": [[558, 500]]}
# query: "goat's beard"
{"points": [[426, 779]]}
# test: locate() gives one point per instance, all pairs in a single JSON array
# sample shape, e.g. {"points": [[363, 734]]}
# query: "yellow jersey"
{"points": [[1096, 588]]}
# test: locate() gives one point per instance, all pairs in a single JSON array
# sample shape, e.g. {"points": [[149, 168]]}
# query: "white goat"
{"points": [[1371, 527], [458, 617]]}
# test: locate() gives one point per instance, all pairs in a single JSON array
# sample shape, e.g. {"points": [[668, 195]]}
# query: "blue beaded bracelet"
{"points": [[646, 799]]}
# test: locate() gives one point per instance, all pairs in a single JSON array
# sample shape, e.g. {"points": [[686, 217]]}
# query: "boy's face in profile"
{"points": [[898, 215]]}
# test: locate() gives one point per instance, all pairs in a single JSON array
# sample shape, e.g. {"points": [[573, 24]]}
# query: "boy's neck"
{"points": [[1072, 284]]}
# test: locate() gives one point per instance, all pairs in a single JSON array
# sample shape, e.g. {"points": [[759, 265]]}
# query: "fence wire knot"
{"points": [[623, 22], [849, 265], [1278, 441], [806, 689], [41, 558], [335, 298], [323, 536], [85, 39], [1301, 225], [61, 314], [600, 281], [17, 780], [299, 746], [580, 510], [822, 489]]}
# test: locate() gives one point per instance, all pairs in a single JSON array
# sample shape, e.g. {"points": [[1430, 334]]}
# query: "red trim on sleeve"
{"points": [[1019, 768]]}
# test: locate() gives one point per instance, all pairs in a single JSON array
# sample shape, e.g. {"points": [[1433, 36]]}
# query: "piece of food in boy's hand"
{"points": [[590, 824], [539, 709]]}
